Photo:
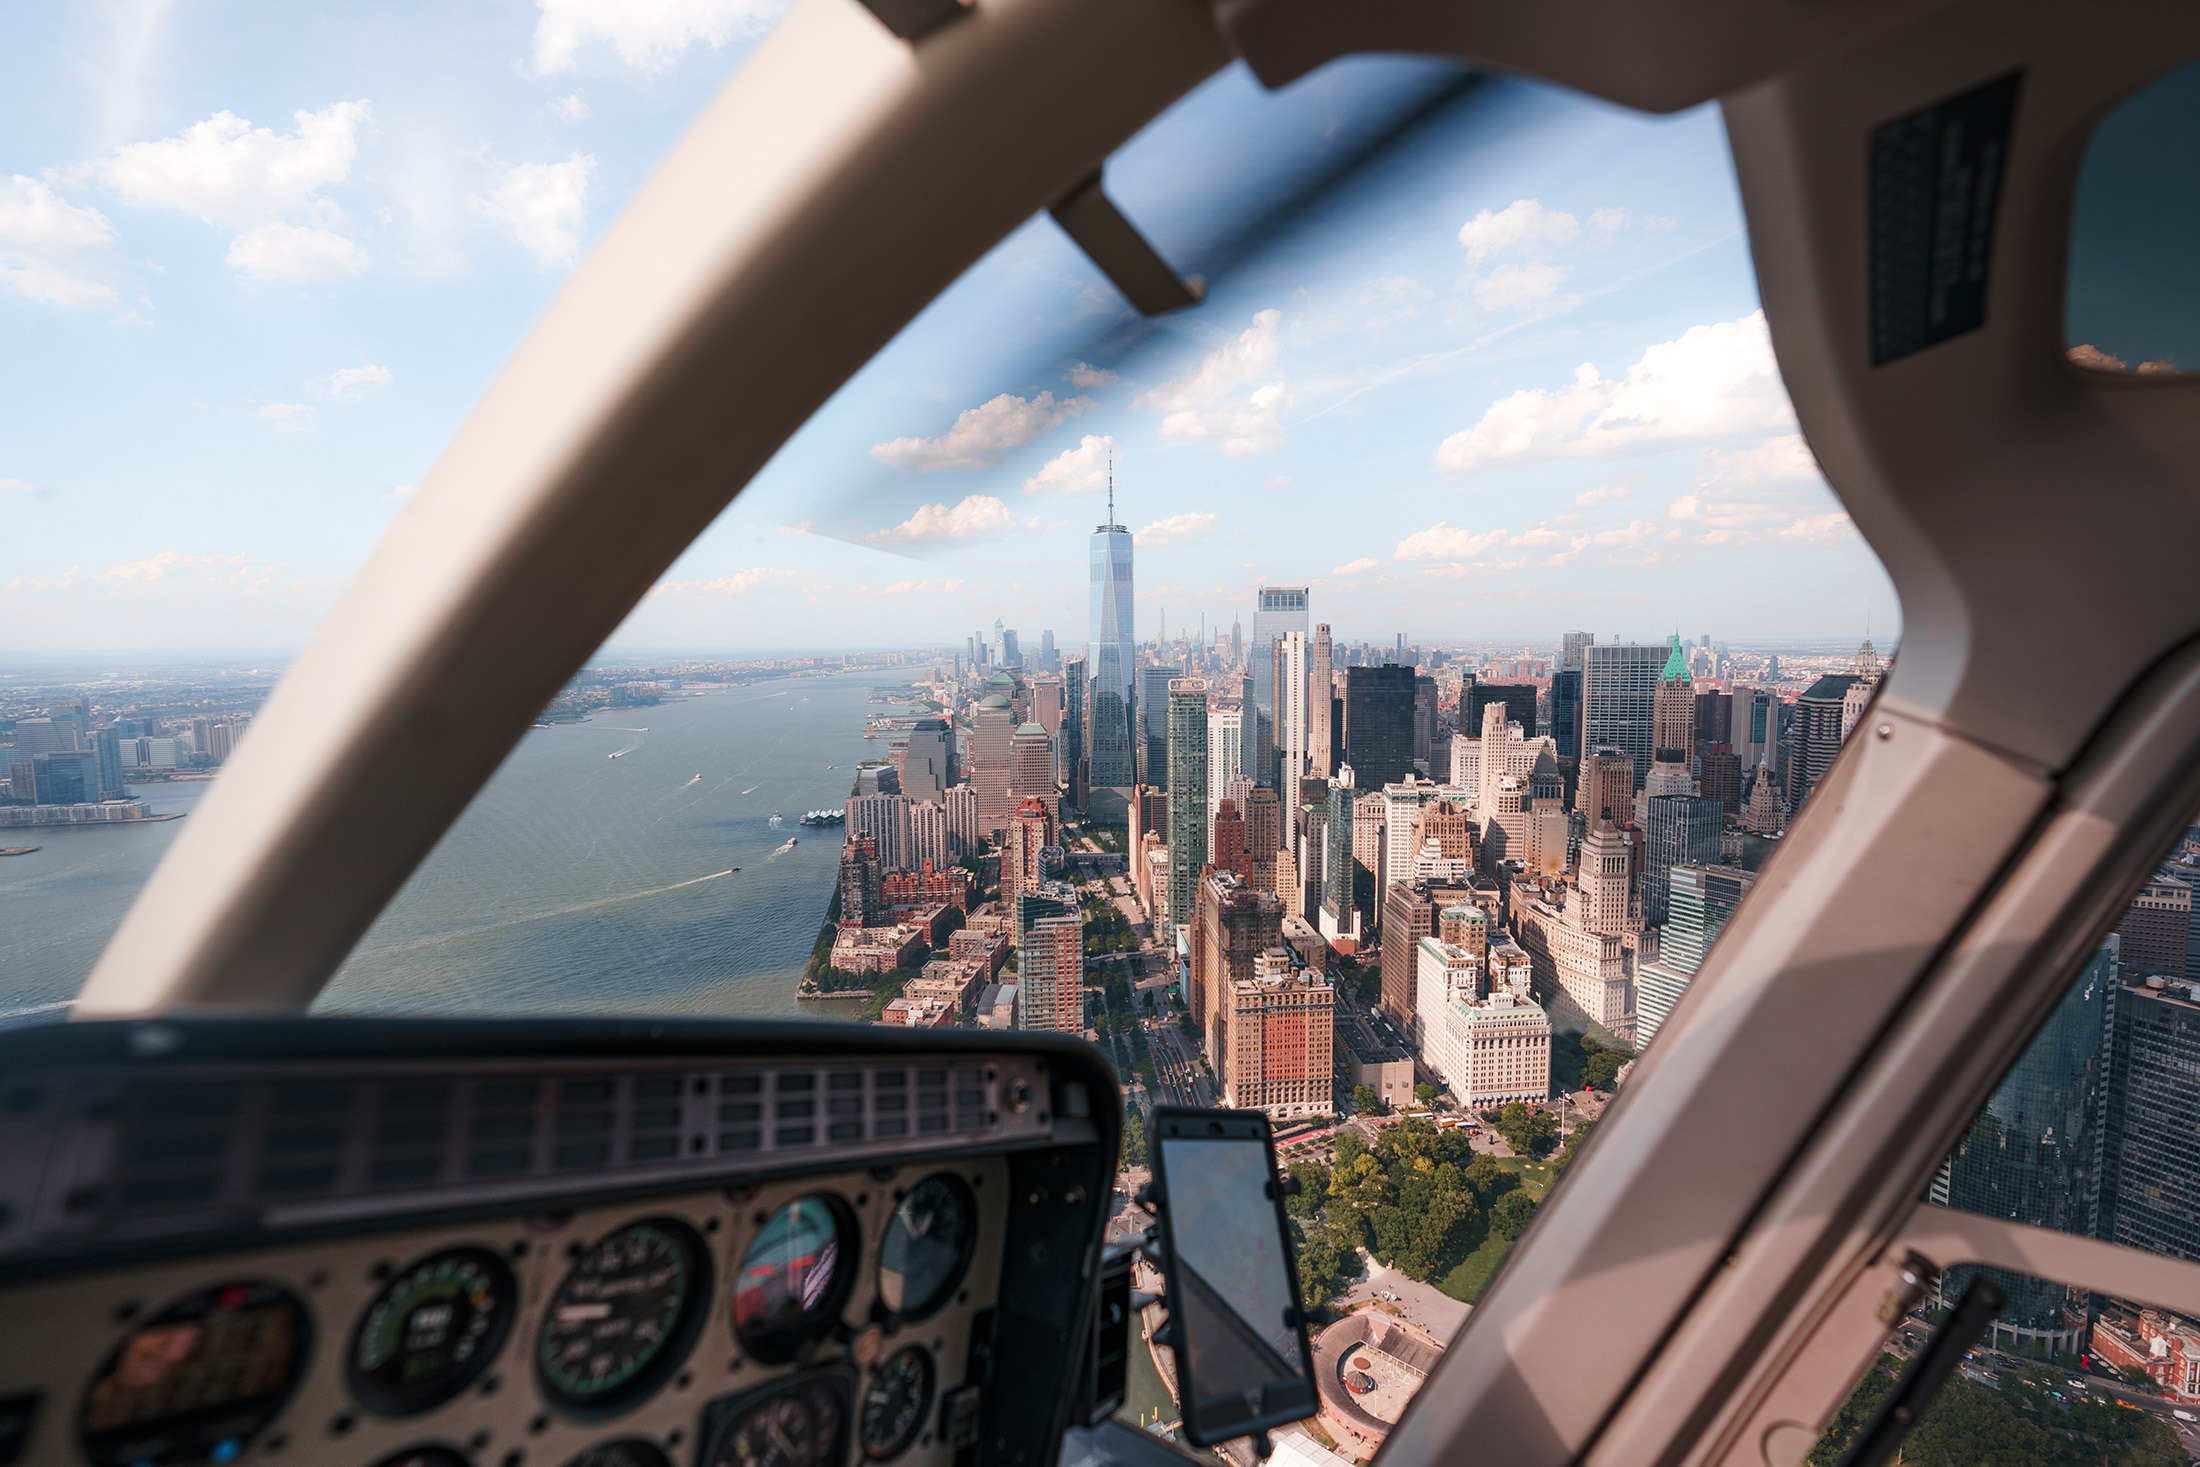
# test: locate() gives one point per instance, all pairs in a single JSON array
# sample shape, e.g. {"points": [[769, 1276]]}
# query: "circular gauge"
{"points": [[798, 1423], [199, 1379], [795, 1277], [429, 1456], [895, 1403], [927, 1246], [432, 1331], [629, 1451], [624, 1317]]}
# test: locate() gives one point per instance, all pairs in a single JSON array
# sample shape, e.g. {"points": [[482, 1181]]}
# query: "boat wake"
{"points": [[752, 789], [577, 907]]}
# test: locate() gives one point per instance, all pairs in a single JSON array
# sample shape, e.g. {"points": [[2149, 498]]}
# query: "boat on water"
{"points": [[776, 817], [17, 850], [825, 817], [615, 753], [790, 845]]}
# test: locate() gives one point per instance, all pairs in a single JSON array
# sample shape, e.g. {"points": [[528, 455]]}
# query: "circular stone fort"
{"points": [[1368, 1365]]}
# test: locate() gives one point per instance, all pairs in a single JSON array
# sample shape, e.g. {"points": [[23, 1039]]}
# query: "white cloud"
{"points": [[401, 493], [49, 247], [1604, 494], [227, 171], [1088, 376], [1355, 567], [1713, 382], [799, 527], [1278, 484], [295, 252], [172, 571], [1516, 287], [1177, 529], [1079, 470], [1785, 459], [349, 384], [289, 417], [19, 486], [922, 588], [982, 435], [543, 205], [1522, 227], [1446, 541], [740, 583], [648, 34], [258, 182], [571, 107], [1205, 404], [978, 514], [1604, 223]]}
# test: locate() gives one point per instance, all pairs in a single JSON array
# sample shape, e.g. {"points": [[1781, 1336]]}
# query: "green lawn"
{"points": [[1473, 1275]]}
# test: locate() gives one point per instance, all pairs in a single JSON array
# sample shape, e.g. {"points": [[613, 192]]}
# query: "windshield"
{"points": [[1364, 696]]}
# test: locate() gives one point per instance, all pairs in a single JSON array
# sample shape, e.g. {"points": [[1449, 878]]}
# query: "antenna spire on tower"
{"points": [[1111, 486]]}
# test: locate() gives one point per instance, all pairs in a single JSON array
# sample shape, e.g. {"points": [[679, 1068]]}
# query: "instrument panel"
{"points": [[748, 1326], [779, 1315]]}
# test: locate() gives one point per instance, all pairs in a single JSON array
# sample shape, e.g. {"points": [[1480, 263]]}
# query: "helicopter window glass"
{"points": [[2132, 298]]}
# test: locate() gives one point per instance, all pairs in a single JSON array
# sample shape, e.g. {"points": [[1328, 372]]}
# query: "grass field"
{"points": [[1467, 1281]]}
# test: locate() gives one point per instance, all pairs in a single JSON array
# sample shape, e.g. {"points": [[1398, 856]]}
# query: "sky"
{"points": [[1478, 359]]}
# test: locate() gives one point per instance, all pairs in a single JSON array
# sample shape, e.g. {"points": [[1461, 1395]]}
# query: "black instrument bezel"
{"points": [[779, 1343], [727, 1412], [695, 1303], [398, 1401], [967, 1199]]}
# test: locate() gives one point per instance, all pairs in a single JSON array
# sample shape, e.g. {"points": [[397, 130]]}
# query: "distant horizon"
{"points": [[22, 663]]}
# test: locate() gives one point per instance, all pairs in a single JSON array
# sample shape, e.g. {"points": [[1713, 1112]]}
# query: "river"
{"points": [[576, 882]]}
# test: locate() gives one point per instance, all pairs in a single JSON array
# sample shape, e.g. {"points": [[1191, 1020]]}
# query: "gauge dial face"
{"points": [[895, 1403], [624, 1317], [801, 1423], [629, 1451], [199, 1379], [927, 1245], [794, 1277], [432, 1331]]}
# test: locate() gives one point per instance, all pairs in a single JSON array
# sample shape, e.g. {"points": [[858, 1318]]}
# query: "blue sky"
{"points": [[1502, 377]]}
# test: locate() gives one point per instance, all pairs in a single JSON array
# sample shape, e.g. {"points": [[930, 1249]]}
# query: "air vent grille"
{"points": [[190, 1155]]}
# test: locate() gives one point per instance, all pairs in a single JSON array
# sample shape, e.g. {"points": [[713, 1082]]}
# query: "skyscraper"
{"points": [[1071, 753], [1282, 610], [1570, 653], [2150, 1179], [1229, 840], [1679, 829], [1319, 735], [1378, 724], [1152, 700], [1050, 984], [1818, 715], [1566, 712], [1225, 753], [927, 765], [1046, 652], [1291, 710], [1031, 769], [1519, 701], [1187, 761], [1109, 655], [995, 726], [2035, 1150], [2156, 929], [1673, 710], [1619, 685]]}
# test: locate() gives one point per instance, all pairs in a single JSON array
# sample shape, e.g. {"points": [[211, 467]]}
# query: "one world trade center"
{"points": [[1110, 656]]}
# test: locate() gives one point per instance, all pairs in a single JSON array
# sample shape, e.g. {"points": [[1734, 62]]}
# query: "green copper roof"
{"points": [[1676, 666]]}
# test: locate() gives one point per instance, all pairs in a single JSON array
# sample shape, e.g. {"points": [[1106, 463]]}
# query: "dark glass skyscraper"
{"points": [[1153, 724], [2034, 1154], [2150, 1184], [1187, 705], [1378, 724], [1566, 712], [1109, 656], [1282, 610], [1519, 701]]}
